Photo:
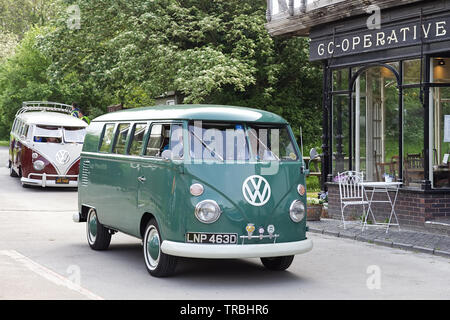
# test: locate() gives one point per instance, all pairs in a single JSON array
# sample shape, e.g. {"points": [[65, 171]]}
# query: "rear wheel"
{"points": [[158, 263], [98, 236], [277, 263]]}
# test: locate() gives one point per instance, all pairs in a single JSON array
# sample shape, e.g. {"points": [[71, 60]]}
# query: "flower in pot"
{"points": [[314, 210], [324, 196]]}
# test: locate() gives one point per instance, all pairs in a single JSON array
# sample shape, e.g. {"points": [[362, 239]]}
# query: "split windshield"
{"points": [[54, 134], [240, 141]]}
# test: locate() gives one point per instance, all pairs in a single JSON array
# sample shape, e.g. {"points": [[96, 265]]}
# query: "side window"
{"points": [[121, 138], [13, 129], [25, 130], [19, 128], [165, 137], [155, 141], [108, 134], [137, 138], [22, 131]]}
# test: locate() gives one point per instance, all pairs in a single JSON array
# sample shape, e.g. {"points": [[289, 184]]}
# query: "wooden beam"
{"points": [[300, 23]]}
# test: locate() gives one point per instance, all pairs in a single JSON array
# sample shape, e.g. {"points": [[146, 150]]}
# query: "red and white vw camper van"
{"points": [[45, 145]]}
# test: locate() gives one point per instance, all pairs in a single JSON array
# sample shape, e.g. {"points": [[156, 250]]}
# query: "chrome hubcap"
{"points": [[152, 247], [92, 226]]}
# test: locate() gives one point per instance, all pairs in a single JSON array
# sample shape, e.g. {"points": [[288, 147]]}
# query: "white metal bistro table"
{"points": [[381, 187]]}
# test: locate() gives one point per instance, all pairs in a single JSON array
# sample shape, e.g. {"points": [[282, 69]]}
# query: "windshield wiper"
{"points": [[206, 146], [267, 148]]}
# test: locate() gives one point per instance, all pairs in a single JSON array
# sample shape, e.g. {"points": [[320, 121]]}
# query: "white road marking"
{"points": [[49, 274]]}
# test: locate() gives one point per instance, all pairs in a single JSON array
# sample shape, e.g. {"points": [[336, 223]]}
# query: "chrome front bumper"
{"points": [[236, 251], [44, 182]]}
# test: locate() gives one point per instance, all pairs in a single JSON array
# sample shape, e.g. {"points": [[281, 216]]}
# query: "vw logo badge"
{"points": [[256, 190], [62, 156]]}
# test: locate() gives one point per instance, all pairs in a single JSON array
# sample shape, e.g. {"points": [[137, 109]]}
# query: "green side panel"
{"points": [[92, 138], [112, 190], [157, 194]]}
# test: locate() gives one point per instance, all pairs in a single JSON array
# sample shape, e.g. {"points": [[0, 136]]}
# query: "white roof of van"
{"points": [[47, 118]]}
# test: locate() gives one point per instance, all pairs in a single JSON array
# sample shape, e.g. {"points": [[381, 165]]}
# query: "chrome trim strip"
{"points": [[52, 175]]}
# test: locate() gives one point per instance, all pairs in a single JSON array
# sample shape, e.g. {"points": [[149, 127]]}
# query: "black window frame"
{"points": [[132, 135], [116, 138]]}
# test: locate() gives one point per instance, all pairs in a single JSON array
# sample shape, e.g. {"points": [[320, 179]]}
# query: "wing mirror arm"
{"points": [[312, 156], [304, 171]]}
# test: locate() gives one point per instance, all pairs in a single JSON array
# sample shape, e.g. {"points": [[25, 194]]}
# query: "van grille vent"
{"points": [[85, 170]]}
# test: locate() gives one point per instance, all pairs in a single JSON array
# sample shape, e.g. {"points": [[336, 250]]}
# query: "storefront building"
{"points": [[386, 102]]}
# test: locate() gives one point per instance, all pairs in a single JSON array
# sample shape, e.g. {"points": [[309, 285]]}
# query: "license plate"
{"points": [[211, 238], [62, 181]]}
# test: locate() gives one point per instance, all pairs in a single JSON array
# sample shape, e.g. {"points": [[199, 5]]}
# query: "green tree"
{"points": [[130, 51], [18, 16], [22, 77], [208, 51], [194, 47], [8, 43]]}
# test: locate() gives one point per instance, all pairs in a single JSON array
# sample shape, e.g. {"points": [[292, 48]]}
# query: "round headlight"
{"points": [[38, 165], [297, 211], [207, 211]]}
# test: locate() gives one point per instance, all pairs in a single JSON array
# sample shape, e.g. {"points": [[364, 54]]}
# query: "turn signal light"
{"points": [[196, 189], [301, 189]]}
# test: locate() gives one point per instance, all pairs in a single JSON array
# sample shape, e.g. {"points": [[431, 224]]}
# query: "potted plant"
{"points": [[324, 196], [314, 210]]}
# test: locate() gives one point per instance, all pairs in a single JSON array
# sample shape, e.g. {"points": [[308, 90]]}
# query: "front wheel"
{"points": [[158, 263], [98, 236], [277, 263], [12, 173]]}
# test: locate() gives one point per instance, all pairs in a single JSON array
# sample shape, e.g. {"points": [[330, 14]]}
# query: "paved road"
{"points": [[44, 255]]}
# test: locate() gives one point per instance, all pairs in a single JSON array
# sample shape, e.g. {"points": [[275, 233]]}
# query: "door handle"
{"points": [[142, 179]]}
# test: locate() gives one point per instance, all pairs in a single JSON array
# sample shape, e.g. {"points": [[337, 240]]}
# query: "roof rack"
{"points": [[44, 106]]}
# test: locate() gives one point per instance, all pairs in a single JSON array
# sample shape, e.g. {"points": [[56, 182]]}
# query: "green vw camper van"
{"points": [[198, 181]]}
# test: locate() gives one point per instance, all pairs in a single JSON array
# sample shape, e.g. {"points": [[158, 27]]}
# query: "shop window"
{"points": [[441, 70], [411, 71], [376, 133], [359, 132], [340, 79], [340, 138], [413, 138], [441, 150]]}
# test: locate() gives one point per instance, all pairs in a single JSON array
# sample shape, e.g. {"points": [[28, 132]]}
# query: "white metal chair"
{"points": [[351, 191]]}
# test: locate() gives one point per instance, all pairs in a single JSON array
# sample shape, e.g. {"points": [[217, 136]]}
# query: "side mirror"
{"points": [[313, 154]]}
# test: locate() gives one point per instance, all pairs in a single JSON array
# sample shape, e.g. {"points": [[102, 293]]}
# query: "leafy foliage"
{"points": [[23, 77], [8, 43], [19, 16], [130, 51]]}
